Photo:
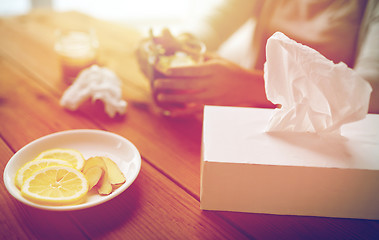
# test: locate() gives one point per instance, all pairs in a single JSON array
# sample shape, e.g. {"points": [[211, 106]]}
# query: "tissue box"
{"points": [[245, 169]]}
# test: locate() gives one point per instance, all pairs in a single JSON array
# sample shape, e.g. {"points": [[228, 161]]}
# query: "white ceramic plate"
{"points": [[90, 143]]}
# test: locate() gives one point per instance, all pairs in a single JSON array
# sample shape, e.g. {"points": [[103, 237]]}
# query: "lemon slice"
{"points": [[55, 185], [26, 171], [74, 157]]}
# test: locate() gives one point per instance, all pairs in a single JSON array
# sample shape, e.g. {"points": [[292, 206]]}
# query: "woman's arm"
{"points": [[367, 62], [214, 82], [220, 22]]}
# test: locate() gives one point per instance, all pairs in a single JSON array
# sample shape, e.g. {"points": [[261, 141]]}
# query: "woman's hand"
{"points": [[214, 82]]}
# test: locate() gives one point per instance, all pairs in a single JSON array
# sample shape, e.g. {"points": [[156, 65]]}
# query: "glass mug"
{"points": [[157, 62], [77, 50]]}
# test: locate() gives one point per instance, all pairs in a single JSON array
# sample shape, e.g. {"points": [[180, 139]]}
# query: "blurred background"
{"points": [[142, 14]]}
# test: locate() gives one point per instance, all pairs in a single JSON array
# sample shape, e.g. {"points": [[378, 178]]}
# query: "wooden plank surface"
{"points": [[154, 132], [154, 207], [164, 200]]}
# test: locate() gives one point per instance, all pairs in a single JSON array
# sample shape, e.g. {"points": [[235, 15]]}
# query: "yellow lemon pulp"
{"points": [[74, 157], [26, 171], [55, 185]]}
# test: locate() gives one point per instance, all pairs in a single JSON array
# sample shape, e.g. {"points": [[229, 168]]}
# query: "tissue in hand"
{"points": [[315, 94]]}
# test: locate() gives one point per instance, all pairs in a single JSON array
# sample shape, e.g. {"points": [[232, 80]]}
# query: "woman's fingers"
{"points": [[198, 70], [189, 77], [198, 97], [178, 84], [190, 109]]}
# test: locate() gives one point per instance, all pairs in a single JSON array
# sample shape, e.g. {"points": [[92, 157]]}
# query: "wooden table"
{"points": [[163, 202]]}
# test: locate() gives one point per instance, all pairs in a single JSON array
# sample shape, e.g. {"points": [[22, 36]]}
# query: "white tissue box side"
{"points": [[301, 187]]}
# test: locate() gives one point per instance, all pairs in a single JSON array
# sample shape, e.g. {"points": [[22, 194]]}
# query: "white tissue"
{"points": [[99, 84], [315, 94]]}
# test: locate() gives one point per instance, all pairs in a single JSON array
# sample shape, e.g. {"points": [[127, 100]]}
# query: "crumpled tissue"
{"points": [[315, 94], [98, 84]]}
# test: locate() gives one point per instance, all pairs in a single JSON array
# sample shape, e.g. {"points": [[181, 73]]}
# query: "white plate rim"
{"points": [[9, 173]]}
